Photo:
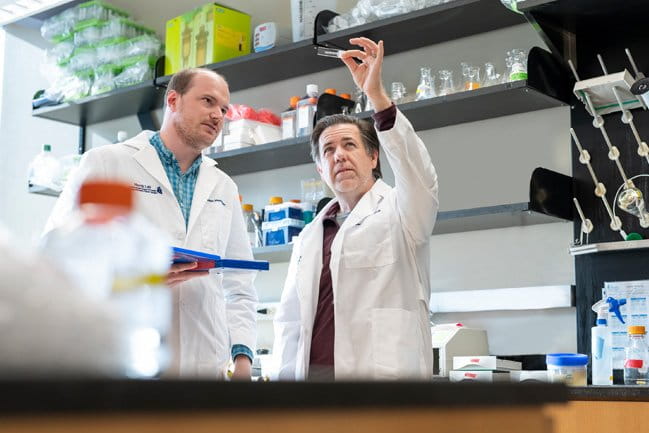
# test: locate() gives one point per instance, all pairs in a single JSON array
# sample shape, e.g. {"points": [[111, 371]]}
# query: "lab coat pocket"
{"points": [[395, 343], [369, 244], [215, 222]]}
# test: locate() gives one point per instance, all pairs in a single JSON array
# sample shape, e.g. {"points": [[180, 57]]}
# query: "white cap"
{"points": [[312, 89]]}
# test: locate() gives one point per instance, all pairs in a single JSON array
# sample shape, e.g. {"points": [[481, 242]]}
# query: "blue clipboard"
{"points": [[212, 261]]}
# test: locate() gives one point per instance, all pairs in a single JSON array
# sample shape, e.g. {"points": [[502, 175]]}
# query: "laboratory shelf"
{"points": [[42, 190], [607, 247], [490, 217], [454, 20], [140, 98], [273, 253], [480, 104], [435, 24], [455, 221], [569, 13]]}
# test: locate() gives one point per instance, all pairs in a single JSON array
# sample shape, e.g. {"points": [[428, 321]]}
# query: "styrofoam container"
{"points": [[281, 232], [277, 212], [252, 131], [478, 376]]}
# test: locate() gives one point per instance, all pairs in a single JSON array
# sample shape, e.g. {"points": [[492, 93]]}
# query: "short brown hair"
{"points": [[366, 129], [181, 81]]}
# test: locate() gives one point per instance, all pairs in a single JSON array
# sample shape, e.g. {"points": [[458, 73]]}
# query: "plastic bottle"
{"points": [[601, 355], [636, 360], [116, 256], [45, 169], [306, 109], [251, 225], [288, 119]]}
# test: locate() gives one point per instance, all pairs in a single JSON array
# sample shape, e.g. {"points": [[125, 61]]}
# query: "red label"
{"points": [[475, 360], [633, 363], [471, 375]]}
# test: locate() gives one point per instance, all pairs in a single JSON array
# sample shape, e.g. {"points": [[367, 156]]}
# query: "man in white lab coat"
{"points": [[355, 302], [187, 196]]}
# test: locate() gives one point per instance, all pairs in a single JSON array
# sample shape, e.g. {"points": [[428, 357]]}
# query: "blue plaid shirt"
{"points": [[183, 185]]}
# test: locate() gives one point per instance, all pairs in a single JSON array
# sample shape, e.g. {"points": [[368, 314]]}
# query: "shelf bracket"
{"points": [[146, 121], [82, 140], [551, 193]]}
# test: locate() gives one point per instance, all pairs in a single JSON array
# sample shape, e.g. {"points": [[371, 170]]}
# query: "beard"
{"points": [[191, 137]]}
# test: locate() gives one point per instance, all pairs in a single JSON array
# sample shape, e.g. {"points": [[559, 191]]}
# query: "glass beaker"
{"points": [[446, 86], [491, 76], [518, 65], [426, 87], [471, 77], [398, 92]]}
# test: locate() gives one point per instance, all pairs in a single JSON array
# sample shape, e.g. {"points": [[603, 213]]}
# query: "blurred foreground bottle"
{"points": [[115, 255]]}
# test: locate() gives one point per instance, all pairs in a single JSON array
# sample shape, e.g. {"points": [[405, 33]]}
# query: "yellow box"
{"points": [[208, 34]]}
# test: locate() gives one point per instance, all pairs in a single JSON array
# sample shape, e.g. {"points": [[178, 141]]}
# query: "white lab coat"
{"points": [[212, 313], [380, 276]]}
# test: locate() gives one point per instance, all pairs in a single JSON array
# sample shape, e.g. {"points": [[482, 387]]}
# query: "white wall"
{"points": [[479, 164]]}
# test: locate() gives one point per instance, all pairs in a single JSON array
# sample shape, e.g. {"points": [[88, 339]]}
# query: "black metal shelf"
{"points": [[570, 12], [140, 98], [456, 221], [435, 24], [470, 106], [490, 217]]}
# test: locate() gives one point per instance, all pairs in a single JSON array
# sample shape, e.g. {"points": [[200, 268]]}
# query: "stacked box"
{"points": [[208, 34]]}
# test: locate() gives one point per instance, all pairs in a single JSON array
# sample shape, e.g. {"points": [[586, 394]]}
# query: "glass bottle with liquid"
{"points": [[306, 109], [636, 360]]}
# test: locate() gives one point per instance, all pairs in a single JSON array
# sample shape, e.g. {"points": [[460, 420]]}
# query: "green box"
{"points": [[208, 34]]}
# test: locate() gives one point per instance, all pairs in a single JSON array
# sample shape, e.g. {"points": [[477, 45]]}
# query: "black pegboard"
{"points": [[579, 30]]}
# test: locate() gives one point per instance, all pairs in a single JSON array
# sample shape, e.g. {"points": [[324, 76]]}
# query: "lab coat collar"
{"points": [[368, 204], [148, 158]]}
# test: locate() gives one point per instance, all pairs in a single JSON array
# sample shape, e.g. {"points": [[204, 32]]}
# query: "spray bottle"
{"points": [[601, 353]]}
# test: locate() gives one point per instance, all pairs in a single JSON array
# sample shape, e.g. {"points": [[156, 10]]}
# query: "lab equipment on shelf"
{"points": [[45, 170], [600, 348], [97, 48], [306, 109], [568, 368]]}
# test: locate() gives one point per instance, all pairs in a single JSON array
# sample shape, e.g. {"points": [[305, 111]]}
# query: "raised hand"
{"points": [[368, 73]]}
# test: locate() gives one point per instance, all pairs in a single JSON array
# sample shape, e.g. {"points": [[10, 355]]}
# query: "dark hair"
{"points": [[366, 129], [181, 81]]}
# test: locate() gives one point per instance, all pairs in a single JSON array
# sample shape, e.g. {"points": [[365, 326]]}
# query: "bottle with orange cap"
{"points": [[115, 256], [289, 119], [636, 359], [254, 231], [306, 109]]}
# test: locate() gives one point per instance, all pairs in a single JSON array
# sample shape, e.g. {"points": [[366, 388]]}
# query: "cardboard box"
{"points": [[478, 376], [208, 34], [473, 363]]}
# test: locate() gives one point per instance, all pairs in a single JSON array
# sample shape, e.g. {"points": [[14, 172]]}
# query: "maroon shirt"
{"points": [[321, 359]]}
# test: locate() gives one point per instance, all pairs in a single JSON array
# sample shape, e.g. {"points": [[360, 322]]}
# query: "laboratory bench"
{"points": [[80, 405], [602, 409], [72, 406]]}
